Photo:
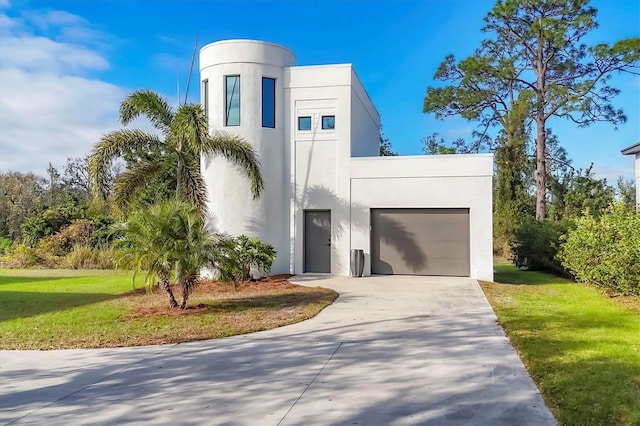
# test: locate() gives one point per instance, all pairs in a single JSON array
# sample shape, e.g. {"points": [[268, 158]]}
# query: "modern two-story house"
{"points": [[316, 132]]}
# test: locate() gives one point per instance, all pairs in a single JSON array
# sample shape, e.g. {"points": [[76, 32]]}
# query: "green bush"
{"points": [[238, 255], [605, 251], [536, 244], [5, 245], [103, 232]]}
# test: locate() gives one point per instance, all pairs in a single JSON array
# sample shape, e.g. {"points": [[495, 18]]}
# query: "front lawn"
{"points": [[581, 347], [56, 309]]}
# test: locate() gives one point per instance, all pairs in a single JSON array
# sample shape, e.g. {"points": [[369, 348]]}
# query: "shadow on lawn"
{"points": [[270, 301], [509, 274], [583, 385], [5, 280], [24, 304]]}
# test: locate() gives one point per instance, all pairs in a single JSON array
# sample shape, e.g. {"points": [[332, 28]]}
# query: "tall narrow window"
{"points": [[232, 100], [268, 102], [205, 95]]}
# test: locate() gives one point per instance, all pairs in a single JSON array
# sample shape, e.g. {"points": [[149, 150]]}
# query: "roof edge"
{"points": [[633, 149]]}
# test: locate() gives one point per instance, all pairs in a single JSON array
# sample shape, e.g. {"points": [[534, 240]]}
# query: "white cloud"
{"points": [[6, 23], [47, 118], [51, 107], [4, 4], [40, 53], [611, 172]]}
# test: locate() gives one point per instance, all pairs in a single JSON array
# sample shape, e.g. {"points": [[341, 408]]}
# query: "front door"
{"points": [[317, 241]]}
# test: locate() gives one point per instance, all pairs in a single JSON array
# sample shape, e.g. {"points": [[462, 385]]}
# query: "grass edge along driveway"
{"points": [[65, 309], [581, 347]]}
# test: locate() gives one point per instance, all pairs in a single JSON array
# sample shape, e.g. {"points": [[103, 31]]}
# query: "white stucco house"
{"points": [[635, 150], [316, 132]]}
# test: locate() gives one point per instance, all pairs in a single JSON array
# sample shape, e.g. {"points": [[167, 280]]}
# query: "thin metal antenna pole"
{"points": [[193, 59], [178, 84]]}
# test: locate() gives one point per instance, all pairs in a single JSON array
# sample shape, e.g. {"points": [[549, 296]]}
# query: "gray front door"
{"points": [[317, 241], [420, 241]]}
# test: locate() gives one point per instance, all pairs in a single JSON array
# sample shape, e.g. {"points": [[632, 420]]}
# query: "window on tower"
{"points": [[268, 102], [232, 100], [205, 96]]}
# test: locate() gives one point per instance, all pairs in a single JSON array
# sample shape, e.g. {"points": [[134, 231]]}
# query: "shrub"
{"points": [[105, 258], [81, 257], [238, 255], [536, 244], [103, 232], [605, 251], [5, 245], [53, 248], [85, 257], [34, 228], [22, 256]]}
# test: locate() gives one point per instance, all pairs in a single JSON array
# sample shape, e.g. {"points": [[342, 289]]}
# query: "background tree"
{"points": [[534, 66], [386, 150], [435, 145], [626, 191], [185, 138], [76, 176], [587, 192], [485, 88], [568, 78], [20, 195]]}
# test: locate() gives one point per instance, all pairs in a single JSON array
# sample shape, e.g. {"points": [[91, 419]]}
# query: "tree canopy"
{"points": [[175, 154], [532, 66]]}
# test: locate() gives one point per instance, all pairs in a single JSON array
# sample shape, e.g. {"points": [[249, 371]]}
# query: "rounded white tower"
{"points": [[242, 92]]}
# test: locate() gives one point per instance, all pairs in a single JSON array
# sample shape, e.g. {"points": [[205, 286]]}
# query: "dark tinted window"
{"points": [[268, 102]]}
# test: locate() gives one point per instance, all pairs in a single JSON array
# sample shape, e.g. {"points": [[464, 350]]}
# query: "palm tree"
{"points": [[185, 137], [167, 240]]}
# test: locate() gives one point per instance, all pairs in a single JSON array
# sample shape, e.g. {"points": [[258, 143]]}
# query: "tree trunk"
{"points": [[187, 288], [541, 168], [541, 137], [165, 285]]}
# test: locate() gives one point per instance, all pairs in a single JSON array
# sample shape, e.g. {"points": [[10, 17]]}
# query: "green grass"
{"points": [[54, 309], [581, 347]]}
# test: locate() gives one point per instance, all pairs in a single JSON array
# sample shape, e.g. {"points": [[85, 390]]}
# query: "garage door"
{"points": [[420, 241]]}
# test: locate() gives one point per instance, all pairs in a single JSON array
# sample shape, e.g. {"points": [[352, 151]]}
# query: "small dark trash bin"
{"points": [[357, 262]]}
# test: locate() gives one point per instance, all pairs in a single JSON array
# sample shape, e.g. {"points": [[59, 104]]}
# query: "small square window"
{"points": [[304, 123], [328, 122]]}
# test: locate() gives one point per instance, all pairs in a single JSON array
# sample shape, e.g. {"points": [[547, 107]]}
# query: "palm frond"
{"points": [[149, 104], [190, 128], [239, 152], [111, 146], [190, 186], [129, 183]]}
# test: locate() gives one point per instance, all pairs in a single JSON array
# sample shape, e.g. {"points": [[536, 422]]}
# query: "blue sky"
{"points": [[65, 65]]}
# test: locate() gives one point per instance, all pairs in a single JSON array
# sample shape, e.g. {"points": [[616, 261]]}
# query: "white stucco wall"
{"points": [[325, 169], [638, 179], [365, 127], [230, 201], [447, 181], [320, 157]]}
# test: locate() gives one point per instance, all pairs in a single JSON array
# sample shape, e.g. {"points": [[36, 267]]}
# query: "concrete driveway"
{"points": [[390, 350]]}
